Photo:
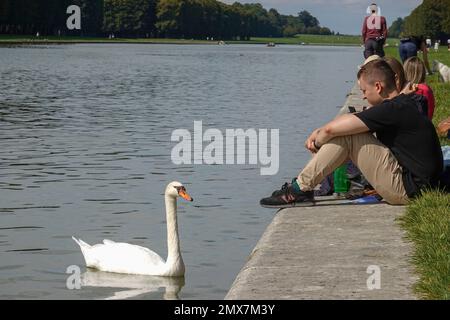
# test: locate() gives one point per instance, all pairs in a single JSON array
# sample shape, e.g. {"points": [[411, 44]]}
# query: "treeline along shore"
{"points": [[183, 19]]}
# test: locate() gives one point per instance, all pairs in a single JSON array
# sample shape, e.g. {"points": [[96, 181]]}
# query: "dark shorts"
{"points": [[407, 50]]}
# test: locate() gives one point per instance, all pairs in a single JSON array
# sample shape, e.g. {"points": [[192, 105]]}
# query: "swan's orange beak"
{"points": [[185, 195]]}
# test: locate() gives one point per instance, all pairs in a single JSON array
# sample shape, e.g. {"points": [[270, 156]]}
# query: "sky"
{"points": [[343, 16]]}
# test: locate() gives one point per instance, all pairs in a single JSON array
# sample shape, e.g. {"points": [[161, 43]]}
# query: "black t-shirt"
{"points": [[411, 138], [421, 103]]}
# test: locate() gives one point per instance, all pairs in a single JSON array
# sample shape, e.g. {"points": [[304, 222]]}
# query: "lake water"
{"points": [[85, 150]]}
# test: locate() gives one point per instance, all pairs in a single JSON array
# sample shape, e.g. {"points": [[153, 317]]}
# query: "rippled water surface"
{"points": [[85, 150]]}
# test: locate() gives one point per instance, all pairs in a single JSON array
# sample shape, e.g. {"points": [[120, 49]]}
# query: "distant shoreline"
{"points": [[310, 40], [52, 42]]}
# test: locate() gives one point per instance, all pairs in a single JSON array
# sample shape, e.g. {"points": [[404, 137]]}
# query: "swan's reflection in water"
{"points": [[134, 285]]}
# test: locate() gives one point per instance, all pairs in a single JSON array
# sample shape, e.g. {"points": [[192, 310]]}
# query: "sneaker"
{"points": [[287, 197]]}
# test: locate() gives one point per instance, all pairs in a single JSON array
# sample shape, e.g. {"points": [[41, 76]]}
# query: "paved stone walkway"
{"points": [[325, 252]]}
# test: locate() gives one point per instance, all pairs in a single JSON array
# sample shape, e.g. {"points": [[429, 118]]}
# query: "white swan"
{"points": [[127, 258]]}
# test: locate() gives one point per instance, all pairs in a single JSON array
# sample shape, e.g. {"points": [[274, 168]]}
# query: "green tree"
{"points": [[31, 16], [290, 31], [91, 16], [325, 31], [230, 23], [307, 19], [129, 18], [276, 22], [396, 28], [169, 17], [292, 26], [431, 18]]}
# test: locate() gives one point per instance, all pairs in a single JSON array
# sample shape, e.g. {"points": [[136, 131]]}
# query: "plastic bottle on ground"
{"points": [[341, 182]]}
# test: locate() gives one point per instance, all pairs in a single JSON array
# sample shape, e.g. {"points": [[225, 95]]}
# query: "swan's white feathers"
{"points": [[81, 243], [134, 259]]}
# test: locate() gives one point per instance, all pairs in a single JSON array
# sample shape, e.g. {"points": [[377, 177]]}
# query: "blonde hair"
{"points": [[415, 70]]}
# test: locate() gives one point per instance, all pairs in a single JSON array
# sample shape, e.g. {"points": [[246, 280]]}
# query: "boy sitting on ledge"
{"points": [[404, 158]]}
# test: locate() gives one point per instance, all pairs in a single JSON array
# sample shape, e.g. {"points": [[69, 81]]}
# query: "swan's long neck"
{"points": [[173, 241]]}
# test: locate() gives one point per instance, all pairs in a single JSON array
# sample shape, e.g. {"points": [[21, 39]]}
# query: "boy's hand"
{"points": [[310, 142]]}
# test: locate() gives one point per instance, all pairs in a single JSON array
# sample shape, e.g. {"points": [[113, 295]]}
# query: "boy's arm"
{"points": [[344, 125]]}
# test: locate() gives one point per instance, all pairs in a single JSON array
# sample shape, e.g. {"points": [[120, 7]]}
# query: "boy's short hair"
{"points": [[378, 70]]}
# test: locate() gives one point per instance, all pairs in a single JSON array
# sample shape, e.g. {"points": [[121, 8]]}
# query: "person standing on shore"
{"points": [[374, 32], [409, 47], [428, 42], [436, 46]]}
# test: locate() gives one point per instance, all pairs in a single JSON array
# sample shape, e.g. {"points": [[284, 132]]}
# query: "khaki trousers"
{"points": [[374, 159]]}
